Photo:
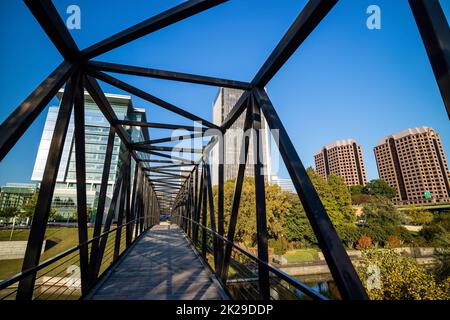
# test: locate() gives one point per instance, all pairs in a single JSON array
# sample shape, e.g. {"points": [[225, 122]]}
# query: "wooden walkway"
{"points": [[160, 266]]}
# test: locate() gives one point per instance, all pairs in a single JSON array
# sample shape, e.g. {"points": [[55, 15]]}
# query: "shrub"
{"points": [[364, 242], [280, 245], [397, 277], [393, 242]]}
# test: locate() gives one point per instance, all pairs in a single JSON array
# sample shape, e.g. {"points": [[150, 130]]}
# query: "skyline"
{"points": [[390, 66]]}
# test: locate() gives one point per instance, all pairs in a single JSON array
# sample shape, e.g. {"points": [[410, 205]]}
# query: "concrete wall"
{"points": [[14, 249], [416, 252], [423, 256]]}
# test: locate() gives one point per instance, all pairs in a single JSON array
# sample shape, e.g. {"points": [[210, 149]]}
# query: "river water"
{"points": [[323, 284]]}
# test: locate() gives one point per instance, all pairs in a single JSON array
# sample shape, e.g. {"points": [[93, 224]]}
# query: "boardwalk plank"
{"points": [[160, 266]]}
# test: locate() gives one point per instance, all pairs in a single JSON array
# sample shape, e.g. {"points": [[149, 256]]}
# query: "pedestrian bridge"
{"points": [[130, 255], [161, 265]]}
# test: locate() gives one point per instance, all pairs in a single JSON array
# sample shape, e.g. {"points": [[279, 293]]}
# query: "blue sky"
{"points": [[345, 81]]}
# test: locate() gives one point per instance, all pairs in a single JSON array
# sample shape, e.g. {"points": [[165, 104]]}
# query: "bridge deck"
{"points": [[160, 266]]}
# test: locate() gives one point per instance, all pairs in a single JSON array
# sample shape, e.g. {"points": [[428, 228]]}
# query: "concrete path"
{"points": [[160, 266]]}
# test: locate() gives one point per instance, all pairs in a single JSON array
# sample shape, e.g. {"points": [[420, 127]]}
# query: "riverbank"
{"points": [[318, 266]]}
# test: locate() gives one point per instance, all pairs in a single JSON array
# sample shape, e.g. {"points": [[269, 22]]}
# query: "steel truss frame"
{"points": [[141, 199]]}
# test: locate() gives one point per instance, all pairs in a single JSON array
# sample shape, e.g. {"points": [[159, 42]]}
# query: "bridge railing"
{"points": [[59, 278], [241, 279]]}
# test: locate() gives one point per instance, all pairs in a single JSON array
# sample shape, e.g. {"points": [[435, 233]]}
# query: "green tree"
{"points": [[337, 201], [419, 217], [381, 188], [437, 232], [277, 206], [28, 209], [442, 266], [9, 213], [356, 190], [30, 206], [382, 220], [296, 225], [335, 197], [381, 211]]}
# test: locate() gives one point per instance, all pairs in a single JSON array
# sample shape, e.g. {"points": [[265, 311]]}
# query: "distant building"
{"points": [[285, 184], [96, 133], [224, 103], [413, 162], [343, 158], [15, 195]]}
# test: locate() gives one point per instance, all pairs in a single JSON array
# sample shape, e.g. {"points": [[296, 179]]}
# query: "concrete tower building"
{"points": [[413, 162], [342, 158], [224, 103]]}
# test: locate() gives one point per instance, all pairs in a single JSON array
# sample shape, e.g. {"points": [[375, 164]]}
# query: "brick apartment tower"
{"points": [[413, 162], [344, 159]]}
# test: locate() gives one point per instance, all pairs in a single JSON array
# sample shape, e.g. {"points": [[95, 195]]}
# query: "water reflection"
{"points": [[322, 283]]}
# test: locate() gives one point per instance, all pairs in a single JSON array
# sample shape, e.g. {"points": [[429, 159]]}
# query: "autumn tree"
{"points": [[277, 206], [364, 242]]}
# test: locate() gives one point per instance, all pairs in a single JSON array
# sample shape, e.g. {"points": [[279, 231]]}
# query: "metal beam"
{"points": [[115, 202], [260, 199], [101, 205], [308, 19], [167, 149], [170, 166], [435, 32], [212, 217], [160, 21], [44, 201], [150, 98], [166, 161], [168, 170], [237, 195], [159, 125], [163, 155], [80, 163], [177, 138], [48, 17], [341, 267], [237, 110], [122, 207], [20, 120], [168, 75]]}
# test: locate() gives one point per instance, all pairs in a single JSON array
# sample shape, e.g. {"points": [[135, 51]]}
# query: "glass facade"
{"points": [[15, 195], [96, 135]]}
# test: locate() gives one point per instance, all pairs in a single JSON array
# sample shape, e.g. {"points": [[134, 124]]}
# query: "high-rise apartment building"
{"points": [[96, 135], [224, 103], [413, 162], [342, 158]]}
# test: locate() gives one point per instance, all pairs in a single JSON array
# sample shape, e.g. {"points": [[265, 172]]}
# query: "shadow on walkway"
{"points": [[160, 266]]}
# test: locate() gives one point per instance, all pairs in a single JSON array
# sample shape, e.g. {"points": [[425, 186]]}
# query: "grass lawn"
{"points": [[301, 255], [65, 238]]}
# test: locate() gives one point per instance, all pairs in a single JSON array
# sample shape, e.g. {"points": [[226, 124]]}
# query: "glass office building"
{"points": [[96, 132], [15, 195]]}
